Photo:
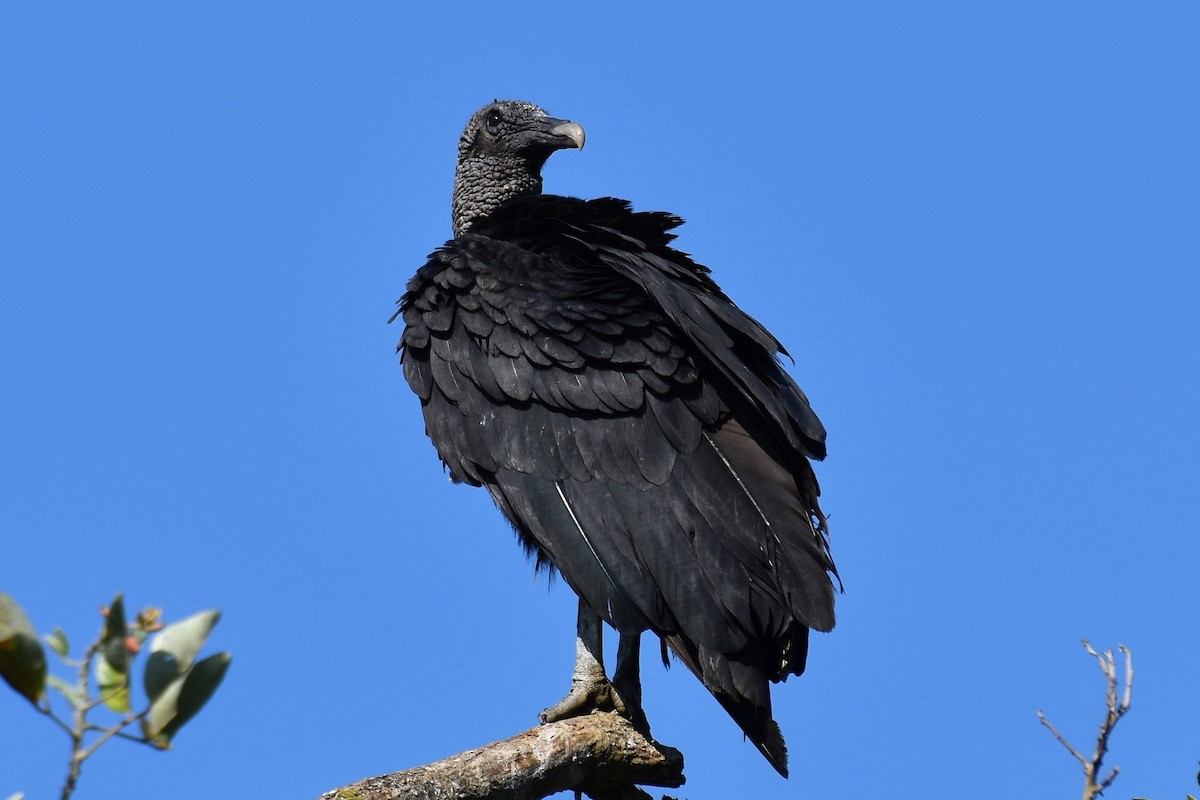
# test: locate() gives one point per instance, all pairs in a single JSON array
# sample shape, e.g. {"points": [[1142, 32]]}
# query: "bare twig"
{"points": [[1115, 710], [80, 719], [601, 755]]}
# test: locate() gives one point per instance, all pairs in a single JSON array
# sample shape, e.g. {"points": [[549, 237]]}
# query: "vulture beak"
{"points": [[562, 130]]}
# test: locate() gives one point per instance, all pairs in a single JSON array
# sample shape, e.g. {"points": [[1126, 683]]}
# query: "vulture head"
{"points": [[501, 154]]}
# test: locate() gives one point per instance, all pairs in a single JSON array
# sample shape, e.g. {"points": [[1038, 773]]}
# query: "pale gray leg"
{"points": [[590, 689]]}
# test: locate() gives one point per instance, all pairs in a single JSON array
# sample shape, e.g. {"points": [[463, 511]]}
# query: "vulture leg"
{"points": [[627, 680], [590, 688]]}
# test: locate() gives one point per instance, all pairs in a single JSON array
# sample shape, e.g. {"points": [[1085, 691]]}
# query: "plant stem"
{"points": [[76, 732]]}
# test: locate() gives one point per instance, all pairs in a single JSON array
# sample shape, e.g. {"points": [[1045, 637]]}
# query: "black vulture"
{"points": [[633, 424]]}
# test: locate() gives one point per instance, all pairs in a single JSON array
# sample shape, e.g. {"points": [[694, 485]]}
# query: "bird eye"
{"points": [[494, 118]]}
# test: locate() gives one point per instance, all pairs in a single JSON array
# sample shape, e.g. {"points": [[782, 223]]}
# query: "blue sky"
{"points": [[973, 225]]}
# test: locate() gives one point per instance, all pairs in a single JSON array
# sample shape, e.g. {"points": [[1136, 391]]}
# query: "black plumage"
{"points": [[634, 425]]}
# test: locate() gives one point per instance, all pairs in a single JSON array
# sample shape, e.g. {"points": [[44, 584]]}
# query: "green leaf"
{"points": [[183, 699], [198, 688], [115, 650], [113, 685], [112, 666], [174, 649], [22, 659], [66, 690], [58, 642], [161, 711]]}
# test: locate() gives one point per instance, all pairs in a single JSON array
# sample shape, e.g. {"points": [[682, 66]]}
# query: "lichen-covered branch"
{"points": [[600, 754], [1116, 709]]}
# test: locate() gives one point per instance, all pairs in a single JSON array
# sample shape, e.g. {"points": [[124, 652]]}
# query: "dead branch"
{"points": [[601, 755], [1115, 710]]}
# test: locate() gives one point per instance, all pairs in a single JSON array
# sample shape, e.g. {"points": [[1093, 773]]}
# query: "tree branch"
{"points": [[600, 754], [1093, 788]]}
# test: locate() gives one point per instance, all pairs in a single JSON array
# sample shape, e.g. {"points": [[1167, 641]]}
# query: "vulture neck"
{"points": [[482, 184]]}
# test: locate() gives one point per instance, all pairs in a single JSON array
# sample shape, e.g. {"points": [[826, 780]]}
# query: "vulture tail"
{"points": [[743, 692]]}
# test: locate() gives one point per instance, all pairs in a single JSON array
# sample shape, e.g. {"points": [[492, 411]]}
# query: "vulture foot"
{"points": [[588, 693], [591, 689]]}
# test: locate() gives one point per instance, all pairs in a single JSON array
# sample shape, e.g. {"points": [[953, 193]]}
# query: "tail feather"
{"points": [[743, 692]]}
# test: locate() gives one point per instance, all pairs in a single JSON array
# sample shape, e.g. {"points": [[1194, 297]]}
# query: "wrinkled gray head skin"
{"points": [[501, 154]]}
